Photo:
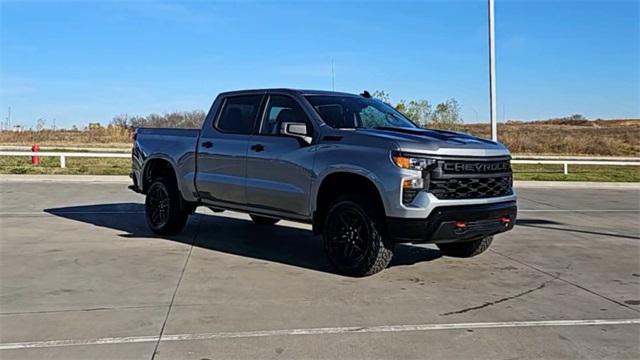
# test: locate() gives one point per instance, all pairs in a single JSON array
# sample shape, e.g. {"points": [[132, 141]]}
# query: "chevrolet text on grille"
{"points": [[475, 167]]}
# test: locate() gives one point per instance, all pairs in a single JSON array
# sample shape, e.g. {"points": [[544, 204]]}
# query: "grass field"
{"points": [[122, 166], [576, 173], [75, 166]]}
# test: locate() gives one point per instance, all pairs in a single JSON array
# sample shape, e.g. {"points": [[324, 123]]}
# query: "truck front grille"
{"points": [[471, 188], [471, 178]]}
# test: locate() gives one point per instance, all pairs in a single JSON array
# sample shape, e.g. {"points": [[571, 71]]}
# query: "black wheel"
{"points": [[354, 240], [467, 248], [261, 220], [164, 211]]}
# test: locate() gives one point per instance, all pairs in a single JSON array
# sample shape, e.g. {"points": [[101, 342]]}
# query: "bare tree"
{"points": [[40, 123], [186, 119]]}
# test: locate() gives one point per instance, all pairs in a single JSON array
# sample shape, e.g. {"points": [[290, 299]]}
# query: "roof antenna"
{"points": [[333, 76], [366, 94]]}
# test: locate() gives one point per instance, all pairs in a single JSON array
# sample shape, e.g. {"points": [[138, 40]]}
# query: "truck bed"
{"points": [[178, 146]]}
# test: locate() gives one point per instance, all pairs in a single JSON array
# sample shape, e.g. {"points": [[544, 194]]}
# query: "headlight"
{"points": [[411, 163]]}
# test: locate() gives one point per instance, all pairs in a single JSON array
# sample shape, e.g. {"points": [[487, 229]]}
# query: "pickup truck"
{"points": [[361, 173]]}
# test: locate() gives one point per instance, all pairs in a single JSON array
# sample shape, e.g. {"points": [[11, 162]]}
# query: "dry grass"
{"points": [[104, 137], [612, 138], [601, 137]]}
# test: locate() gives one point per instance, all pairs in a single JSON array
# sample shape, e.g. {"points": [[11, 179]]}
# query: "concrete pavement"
{"points": [[82, 277]]}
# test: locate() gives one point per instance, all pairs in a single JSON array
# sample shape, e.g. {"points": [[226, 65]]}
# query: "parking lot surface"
{"points": [[82, 277]]}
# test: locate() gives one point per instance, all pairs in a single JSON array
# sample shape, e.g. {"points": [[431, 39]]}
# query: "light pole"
{"points": [[492, 71]]}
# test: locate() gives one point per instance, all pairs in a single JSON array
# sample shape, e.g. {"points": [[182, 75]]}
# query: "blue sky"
{"points": [[80, 62]]}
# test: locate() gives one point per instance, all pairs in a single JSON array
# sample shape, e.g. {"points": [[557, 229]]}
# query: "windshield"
{"points": [[351, 112]]}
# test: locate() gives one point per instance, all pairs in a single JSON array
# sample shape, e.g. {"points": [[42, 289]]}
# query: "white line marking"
{"points": [[71, 213], [316, 331], [589, 210], [60, 343]]}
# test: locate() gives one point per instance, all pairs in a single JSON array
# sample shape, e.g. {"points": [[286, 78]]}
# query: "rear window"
{"points": [[239, 114]]}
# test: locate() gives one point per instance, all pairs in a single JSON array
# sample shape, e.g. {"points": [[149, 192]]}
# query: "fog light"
{"points": [[413, 184]]}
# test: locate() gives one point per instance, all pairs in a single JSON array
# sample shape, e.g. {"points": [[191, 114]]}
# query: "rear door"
{"points": [[222, 165], [279, 166]]}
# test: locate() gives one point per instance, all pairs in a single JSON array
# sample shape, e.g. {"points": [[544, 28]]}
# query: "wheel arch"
{"points": [[336, 183], [159, 165]]}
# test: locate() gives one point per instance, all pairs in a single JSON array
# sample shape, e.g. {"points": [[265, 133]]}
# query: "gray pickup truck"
{"points": [[360, 172]]}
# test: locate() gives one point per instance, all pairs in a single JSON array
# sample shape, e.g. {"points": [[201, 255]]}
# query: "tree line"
{"points": [[445, 115], [178, 119]]}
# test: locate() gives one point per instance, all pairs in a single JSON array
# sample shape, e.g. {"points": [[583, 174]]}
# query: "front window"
{"points": [[282, 109], [351, 112], [239, 114]]}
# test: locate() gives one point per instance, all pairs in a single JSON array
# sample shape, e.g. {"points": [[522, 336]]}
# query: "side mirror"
{"points": [[298, 130]]}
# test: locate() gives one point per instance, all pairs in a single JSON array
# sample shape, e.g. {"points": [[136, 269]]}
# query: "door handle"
{"points": [[257, 147], [207, 144]]}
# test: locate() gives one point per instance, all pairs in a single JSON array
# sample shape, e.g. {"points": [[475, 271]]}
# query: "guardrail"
{"points": [[524, 159], [64, 155], [565, 163]]}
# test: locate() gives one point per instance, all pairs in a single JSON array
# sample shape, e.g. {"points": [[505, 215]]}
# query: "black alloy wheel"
{"points": [[354, 239], [348, 238], [157, 204], [165, 211]]}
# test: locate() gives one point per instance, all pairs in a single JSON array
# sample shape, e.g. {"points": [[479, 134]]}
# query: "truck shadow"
{"points": [[558, 226], [281, 243]]}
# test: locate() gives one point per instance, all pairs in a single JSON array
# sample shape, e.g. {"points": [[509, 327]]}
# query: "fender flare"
{"points": [[159, 156], [344, 168]]}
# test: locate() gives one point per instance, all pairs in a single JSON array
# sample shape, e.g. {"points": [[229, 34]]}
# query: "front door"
{"points": [[222, 162], [279, 166]]}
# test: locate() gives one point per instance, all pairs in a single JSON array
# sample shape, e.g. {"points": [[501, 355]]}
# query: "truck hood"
{"points": [[438, 142]]}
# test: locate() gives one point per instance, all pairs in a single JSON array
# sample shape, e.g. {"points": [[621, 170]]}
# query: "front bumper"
{"points": [[440, 226]]}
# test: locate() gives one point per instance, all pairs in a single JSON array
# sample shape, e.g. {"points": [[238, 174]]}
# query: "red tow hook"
{"points": [[460, 225], [505, 220]]}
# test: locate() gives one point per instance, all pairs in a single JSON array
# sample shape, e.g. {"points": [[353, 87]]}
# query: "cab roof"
{"points": [[287, 90]]}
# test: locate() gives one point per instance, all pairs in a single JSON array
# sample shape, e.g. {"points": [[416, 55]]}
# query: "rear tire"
{"points": [[466, 249], [262, 220], [354, 238], [165, 212]]}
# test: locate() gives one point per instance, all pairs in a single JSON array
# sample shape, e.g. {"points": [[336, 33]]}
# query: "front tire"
{"points": [[466, 249], [262, 220], [164, 211], [354, 239]]}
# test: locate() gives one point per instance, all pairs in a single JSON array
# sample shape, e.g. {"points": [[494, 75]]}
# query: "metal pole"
{"points": [[492, 71]]}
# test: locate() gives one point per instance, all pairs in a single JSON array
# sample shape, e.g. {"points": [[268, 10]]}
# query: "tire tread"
{"points": [[379, 259]]}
